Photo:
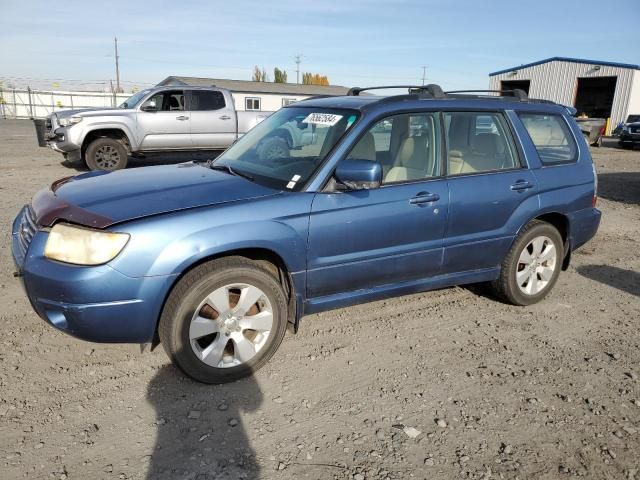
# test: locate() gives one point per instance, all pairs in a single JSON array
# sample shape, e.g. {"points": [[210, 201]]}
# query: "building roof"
{"points": [[244, 86], [567, 59]]}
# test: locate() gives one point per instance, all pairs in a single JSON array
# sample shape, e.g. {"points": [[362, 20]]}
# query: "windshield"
{"points": [[285, 150], [134, 99]]}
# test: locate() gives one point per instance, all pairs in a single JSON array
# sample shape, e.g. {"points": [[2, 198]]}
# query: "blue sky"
{"points": [[354, 42]]}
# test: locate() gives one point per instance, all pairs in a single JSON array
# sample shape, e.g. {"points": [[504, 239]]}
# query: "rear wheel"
{"points": [[106, 154], [224, 320], [532, 266]]}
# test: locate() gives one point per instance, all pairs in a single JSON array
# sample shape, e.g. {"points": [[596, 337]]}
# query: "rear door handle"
{"points": [[182, 117], [521, 185], [225, 117], [424, 197]]}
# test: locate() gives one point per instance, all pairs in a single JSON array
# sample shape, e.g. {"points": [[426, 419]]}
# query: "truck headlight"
{"points": [[83, 246], [68, 121]]}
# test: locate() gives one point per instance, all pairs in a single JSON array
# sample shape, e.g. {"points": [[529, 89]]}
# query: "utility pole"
{"points": [[298, 60], [424, 73], [117, 67]]}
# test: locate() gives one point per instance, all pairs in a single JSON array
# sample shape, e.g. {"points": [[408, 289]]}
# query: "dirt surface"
{"points": [[495, 391]]}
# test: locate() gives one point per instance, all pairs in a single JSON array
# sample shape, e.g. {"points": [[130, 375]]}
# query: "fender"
{"points": [[133, 142], [212, 231]]}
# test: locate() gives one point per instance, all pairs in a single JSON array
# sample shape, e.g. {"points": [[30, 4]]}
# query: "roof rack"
{"points": [[516, 92], [434, 91], [430, 91]]}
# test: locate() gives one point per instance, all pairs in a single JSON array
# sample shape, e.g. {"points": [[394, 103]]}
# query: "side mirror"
{"points": [[149, 106], [359, 174]]}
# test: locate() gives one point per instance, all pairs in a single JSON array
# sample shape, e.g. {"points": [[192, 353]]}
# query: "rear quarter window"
{"points": [[551, 136]]}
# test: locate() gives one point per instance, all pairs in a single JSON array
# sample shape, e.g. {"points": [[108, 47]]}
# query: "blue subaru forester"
{"points": [[329, 202]]}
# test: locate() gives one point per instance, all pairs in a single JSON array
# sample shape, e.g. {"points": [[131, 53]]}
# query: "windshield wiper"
{"points": [[228, 169]]}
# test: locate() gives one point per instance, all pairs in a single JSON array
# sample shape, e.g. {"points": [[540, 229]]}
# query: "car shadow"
{"points": [[626, 280], [200, 432], [620, 187], [153, 159]]}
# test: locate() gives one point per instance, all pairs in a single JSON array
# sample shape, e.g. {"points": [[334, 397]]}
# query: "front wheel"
{"points": [[106, 154], [532, 266], [224, 320]]}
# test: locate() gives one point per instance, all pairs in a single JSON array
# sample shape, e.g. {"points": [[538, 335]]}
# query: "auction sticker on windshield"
{"points": [[329, 119]]}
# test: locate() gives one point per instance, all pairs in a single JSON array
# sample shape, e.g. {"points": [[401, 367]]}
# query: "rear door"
{"points": [[488, 183], [167, 127], [213, 122]]}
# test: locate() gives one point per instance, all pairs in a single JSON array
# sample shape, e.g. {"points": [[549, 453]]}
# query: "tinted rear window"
{"points": [[551, 136], [206, 100]]}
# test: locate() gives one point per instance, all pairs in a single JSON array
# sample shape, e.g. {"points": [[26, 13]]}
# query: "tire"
{"points": [[106, 154], [196, 336], [514, 271]]}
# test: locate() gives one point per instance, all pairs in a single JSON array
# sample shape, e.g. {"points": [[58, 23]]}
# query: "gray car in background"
{"points": [[158, 119]]}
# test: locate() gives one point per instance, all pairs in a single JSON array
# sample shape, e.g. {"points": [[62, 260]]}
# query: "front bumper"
{"points": [[60, 143], [627, 137], [98, 304]]}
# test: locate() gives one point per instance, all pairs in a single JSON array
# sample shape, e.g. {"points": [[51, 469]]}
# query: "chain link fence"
{"points": [[28, 103]]}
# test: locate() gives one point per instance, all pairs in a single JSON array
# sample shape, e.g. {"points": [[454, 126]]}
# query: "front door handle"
{"points": [[182, 117], [521, 185], [225, 117], [424, 197]]}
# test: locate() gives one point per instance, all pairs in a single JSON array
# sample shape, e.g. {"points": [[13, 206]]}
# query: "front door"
{"points": [[213, 122], [368, 238], [166, 127]]}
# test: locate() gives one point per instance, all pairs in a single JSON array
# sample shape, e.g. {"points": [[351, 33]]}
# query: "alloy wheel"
{"points": [[107, 157], [231, 325], [536, 265]]}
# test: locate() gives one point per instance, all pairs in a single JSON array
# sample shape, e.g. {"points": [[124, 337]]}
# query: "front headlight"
{"points": [[68, 121], [83, 246]]}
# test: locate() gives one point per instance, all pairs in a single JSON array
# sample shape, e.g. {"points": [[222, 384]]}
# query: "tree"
{"points": [[259, 75], [309, 78], [279, 76]]}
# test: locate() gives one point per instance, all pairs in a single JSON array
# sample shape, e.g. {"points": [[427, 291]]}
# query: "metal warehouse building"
{"points": [[597, 89], [265, 96]]}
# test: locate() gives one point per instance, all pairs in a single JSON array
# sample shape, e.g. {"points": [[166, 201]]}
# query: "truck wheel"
{"points": [[223, 320], [106, 154], [532, 266]]}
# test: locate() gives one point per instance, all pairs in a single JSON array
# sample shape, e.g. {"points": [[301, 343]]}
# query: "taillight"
{"points": [[594, 201]]}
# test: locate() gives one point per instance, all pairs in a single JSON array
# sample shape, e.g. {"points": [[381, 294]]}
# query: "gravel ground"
{"points": [[445, 384]]}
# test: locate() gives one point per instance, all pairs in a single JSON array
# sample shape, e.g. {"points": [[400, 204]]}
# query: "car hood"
{"points": [[101, 199], [90, 112]]}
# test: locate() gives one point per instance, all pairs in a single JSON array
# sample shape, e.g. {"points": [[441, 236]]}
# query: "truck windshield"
{"points": [[134, 99], [284, 150]]}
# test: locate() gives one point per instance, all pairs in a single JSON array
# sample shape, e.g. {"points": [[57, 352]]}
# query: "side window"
{"points": [[407, 146], [202, 100], [479, 142], [252, 103], [551, 136], [169, 101]]}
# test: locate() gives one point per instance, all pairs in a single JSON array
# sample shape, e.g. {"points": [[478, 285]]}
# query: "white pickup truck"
{"points": [[158, 119]]}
